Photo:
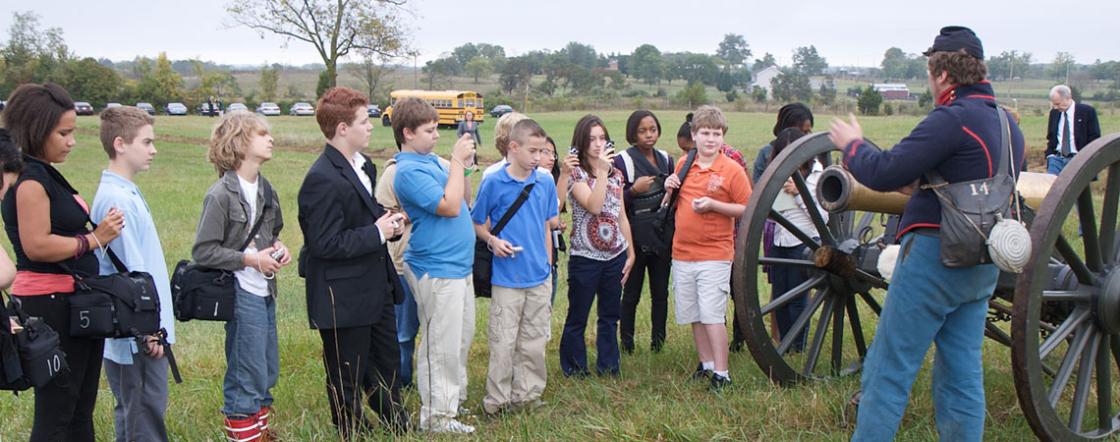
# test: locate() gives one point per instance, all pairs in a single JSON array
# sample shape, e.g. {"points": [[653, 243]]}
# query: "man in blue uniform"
{"points": [[928, 302]]}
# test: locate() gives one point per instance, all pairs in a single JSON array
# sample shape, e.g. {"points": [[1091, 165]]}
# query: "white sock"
{"points": [[723, 374], [709, 365]]}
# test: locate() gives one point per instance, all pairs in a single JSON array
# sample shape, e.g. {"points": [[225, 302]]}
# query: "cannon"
{"points": [[1060, 316]]}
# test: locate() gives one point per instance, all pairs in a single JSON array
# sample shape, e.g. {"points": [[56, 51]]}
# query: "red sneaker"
{"points": [[267, 434], [246, 429]]}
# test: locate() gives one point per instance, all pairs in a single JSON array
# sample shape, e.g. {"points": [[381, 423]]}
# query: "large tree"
{"points": [[646, 64], [336, 28], [270, 80], [734, 50], [808, 61], [372, 73]]}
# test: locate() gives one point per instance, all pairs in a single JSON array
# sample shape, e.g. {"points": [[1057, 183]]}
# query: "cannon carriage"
{"points": [[1060, 316]]}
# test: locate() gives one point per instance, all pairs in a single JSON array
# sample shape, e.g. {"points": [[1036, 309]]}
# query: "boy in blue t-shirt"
{"points": [[438, 261], [520, 307]]}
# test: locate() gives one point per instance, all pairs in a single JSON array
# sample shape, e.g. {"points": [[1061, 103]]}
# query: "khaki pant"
{"points": [[519, 330], [446, 311]]}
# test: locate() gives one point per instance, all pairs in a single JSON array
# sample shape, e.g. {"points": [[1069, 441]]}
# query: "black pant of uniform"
{"points": [[64, 407], [658, 268], [364, 362]]}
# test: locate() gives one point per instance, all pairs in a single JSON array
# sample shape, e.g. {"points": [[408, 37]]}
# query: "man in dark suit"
{"points": [[351, 282], [1072, 126]]}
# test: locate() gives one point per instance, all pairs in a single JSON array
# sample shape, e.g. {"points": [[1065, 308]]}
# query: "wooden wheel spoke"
{"points": [[1104, 383], [788, 296], [818, 337], [1080, 296], [1084, 379], [801, 235], [837, 337], [1068, 364], [803, 320], [1068, 326], [813, 208], [1085, 213], [857, 327], [871, 302], [1109, 213], [787, 262], [1073, 260]]}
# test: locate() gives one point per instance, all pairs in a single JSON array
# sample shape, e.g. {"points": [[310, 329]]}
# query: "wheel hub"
{"points": [[1108, 303]]}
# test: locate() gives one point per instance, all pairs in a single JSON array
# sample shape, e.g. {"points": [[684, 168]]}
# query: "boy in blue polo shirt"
{"points": [[520, 307], [136, 368], [438, 261]]}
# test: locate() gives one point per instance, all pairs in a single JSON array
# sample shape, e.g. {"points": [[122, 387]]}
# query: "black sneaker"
{"points": [[701, 373], [719, 382]]}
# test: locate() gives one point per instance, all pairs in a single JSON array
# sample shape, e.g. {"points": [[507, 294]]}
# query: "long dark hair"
{"points": [[32, 112], [581, 139], [792, 115], [786, 137], [11, 160]]}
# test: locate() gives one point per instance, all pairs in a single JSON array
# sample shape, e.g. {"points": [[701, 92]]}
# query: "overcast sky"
{"points": [[845, 33]]}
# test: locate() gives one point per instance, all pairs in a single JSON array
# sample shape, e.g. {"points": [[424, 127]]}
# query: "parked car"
{"points": [[146, 107], [83, 108], [112, 105], [176, 109], [301, 109], [237, 107], [206, 109], [500, 110], [268, 108], [374, 111]]}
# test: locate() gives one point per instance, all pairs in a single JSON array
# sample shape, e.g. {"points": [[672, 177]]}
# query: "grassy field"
{"points": [[650, 401]]}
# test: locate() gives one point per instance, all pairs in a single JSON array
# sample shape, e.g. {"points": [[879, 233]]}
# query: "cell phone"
{"points": [[518, 249], [277, 254], [573, 150]]}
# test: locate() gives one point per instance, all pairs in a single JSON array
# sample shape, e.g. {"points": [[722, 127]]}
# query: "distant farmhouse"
{"points": [[763, 80], [892, 91]]}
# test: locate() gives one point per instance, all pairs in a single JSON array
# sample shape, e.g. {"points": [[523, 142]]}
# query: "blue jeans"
{"points": [[1055, 164], [252, 358], [783, 278], [586, 277], [408, 323], [928, 302]]}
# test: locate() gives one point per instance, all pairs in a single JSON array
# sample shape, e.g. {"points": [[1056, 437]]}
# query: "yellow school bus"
{"points": [[451, 105]]}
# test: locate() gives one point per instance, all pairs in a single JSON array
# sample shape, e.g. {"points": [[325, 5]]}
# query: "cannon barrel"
{"points": [[838, 191]]}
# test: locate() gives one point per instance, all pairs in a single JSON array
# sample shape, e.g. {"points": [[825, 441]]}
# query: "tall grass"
{"points": [[650, 401]]}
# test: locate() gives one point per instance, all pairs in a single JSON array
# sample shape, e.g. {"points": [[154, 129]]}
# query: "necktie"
{"points": [[1065, 135]]}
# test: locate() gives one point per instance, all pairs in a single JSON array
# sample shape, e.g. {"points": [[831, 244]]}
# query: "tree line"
{"points": [[34, 54]]}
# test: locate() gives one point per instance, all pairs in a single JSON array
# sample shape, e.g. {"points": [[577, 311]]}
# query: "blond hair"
{"points": [[124, 122], [230, 138], [708, 117], [503, 128]]}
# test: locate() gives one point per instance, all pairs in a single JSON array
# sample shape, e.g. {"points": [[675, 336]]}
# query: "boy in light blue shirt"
{"points": [[136, 368], [521, 272], [438, 261]]}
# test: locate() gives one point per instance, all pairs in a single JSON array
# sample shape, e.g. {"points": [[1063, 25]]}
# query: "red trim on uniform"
{"points": [[947, 96], [916, 226], [852, 150], [985, 146], [985, 97]]}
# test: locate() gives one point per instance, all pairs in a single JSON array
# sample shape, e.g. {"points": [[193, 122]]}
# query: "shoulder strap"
{"points": [[642, 163], [513, 209], [1005, 161], [267, 204], [628, 163], [691, 158]]}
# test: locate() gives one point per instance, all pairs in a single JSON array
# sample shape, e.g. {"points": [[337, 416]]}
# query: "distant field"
{"points": [[650, 401]]}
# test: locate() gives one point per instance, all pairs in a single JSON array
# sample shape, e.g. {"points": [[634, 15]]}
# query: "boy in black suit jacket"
{"points": [[351, 282]]}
